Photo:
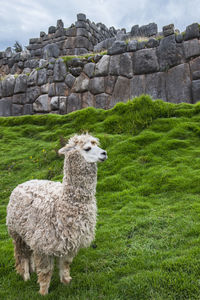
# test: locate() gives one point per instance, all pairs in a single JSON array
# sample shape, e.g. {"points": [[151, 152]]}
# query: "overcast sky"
{"points": [[21, 20]]}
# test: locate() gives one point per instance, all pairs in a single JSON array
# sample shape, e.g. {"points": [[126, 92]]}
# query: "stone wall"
{"points": [[167, 68]]}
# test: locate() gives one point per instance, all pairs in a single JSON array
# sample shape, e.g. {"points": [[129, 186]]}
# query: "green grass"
{"points": [[148, 193]]}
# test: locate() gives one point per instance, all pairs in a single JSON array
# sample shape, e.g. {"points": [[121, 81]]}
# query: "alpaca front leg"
{"points": [[64, 265], [44, 267]]}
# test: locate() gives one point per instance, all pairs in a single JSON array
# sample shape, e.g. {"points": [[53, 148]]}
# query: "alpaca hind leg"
{"points": [[22, 255], [44, 267], [64, 266]]}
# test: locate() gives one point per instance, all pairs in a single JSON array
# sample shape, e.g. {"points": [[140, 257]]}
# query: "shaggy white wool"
{"points": [[56, 218]]}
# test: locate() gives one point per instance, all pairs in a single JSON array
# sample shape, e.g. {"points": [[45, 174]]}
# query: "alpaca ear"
{"points": [[64, 150]]}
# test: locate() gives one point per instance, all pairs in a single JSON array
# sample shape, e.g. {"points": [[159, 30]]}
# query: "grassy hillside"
{"points": [[147, 241]]}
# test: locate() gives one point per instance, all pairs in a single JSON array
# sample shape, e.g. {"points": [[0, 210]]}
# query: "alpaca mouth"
{"points": [[103, 159]]}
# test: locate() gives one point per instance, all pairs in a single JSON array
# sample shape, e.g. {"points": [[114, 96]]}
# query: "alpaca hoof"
{"points": [[26, 276], [43, 292], [66, 280]]}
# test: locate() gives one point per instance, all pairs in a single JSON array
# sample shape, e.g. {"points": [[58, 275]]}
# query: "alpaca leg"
{"points": [[22, 255], [64, 265], [44, 267]]}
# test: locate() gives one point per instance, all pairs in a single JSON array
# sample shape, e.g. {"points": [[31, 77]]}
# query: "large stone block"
{"points": [[59, 70], [87, 99], [81, 84], [69, 43], [145, 61], [155, 85], [42, 77], [126, 66], [102, 101], [61, 89], [32, 93], [32, 78], [89, 69], [195, 64], [178, 84], [20, 84], [54, 103], [196, 91], [8, 85], [191, 48], [137, 86], [28, 109], [114, 68], [167, 53], [17, 110], [121, 91], [109, 84], [74, 102], [45, 88], [102, 66], [69, 80], [192, 31], [82, 42], [42, 104], [19, 99], [117, 47], [6, 107], [97, 85]]}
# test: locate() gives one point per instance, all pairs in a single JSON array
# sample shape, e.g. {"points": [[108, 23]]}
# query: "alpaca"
{"points": [[49, 219]]}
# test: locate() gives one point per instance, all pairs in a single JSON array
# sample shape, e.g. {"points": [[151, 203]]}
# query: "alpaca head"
{"points": [[88, 146]]}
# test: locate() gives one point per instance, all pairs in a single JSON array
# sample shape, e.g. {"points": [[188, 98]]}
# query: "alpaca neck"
{"points": [[79, 175]]}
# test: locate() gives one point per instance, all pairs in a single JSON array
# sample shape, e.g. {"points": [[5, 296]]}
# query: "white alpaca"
{"points": [[49, 219]]}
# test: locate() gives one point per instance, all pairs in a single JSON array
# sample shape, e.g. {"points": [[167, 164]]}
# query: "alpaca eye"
{"points": [[87, 149]]}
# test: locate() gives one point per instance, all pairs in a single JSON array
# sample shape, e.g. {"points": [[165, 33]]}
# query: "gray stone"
{"points": [[74, 102], [17, 110], [89, 69], [179, 38], [42, 104], [121, 91], [75, 62], [81, 24], [72, 31], [20, 84], [137, 86], [8, 85], [52, 29], [114, 67], [42, 77], [61, 89], [167, 53], [60, 23], [63, 105], [101, 101], [59, 70], [196, 91], [28, 109], [0, 89], [148, 30], [152, 43], [82, 32], [178, 84], [5, 107], [45, 88], [43, 63], [132, 46], [32, 78], [8, 52], [32, 93], [135, 30], [109, 84], [102, 66], [145, 61], [69, 43], [104, 45], [69, 80], [87, 99], [81, 84], [20, 64], [81, 17], [97, 85], [196, 75], [155, 85], [52, 90], [32, 64], [118, 47], [75, 71], [168, 29], [19, 99], [195, 64], [192, 31], [191, 48], [126, 67], [54, 103], [51, 50], [82, 42]]}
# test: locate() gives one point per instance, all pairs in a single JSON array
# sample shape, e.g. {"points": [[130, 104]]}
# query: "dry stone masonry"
{"points": [[46, 79]]}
